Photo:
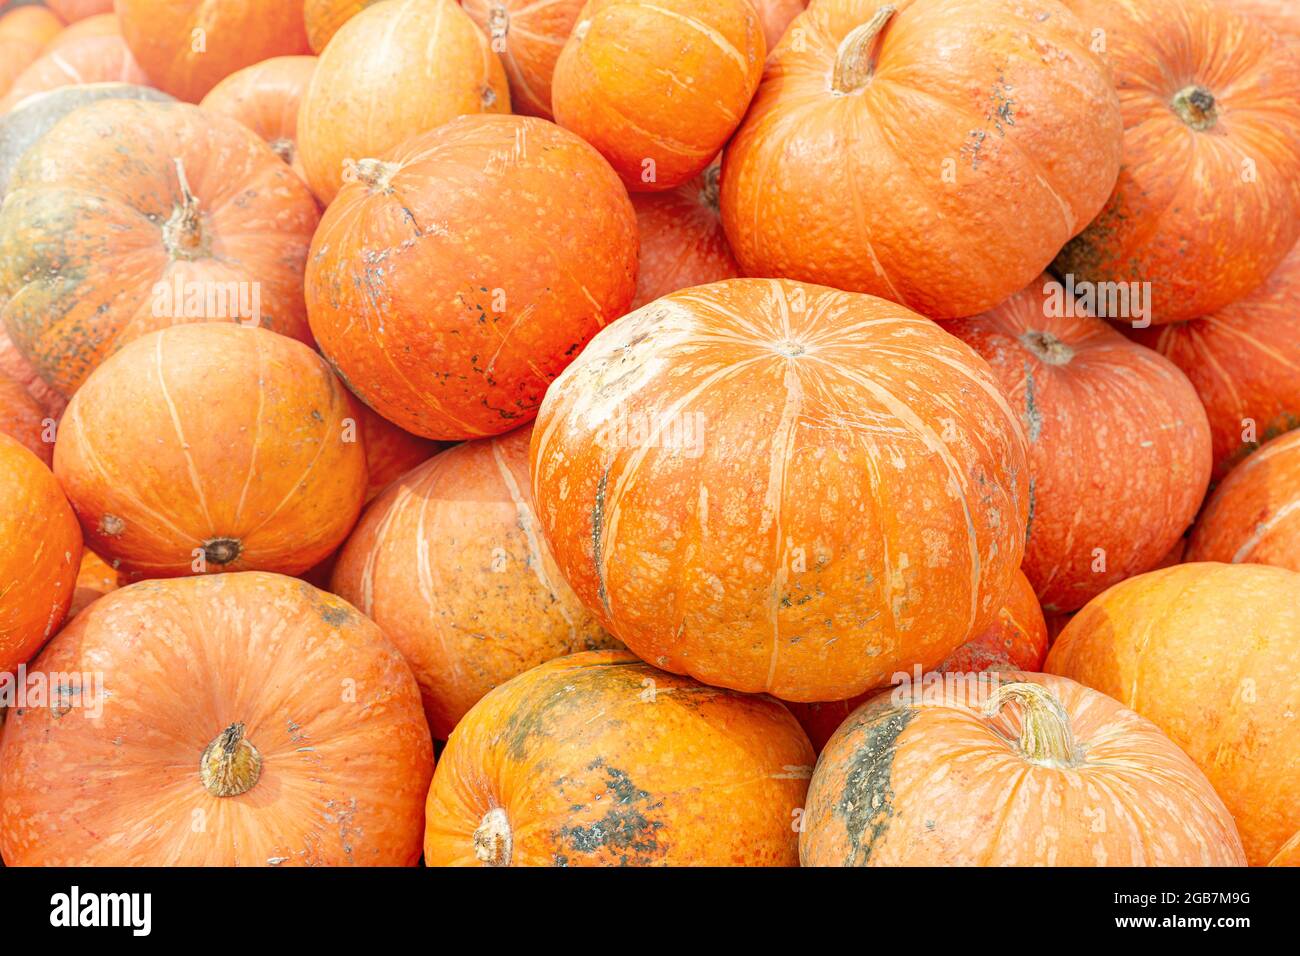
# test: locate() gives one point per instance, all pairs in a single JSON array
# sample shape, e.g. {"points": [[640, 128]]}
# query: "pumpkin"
{"points": [[15, 57], [658, 86], [1211, 156], [1289, 855], [1209, 653], [188, 46], [449, 287], [93, 59], [265, 97], [682, 242], [1244, 361], [449, 563], [22, 418], [95, 578], [40, 548], [324, 17], [17, 368], [131, 216], [70, 11], [1009, 770], [776, 16], [1119, 445], [248, 720], [956, 146], [34, 25], [100, 25], [392, 72], [598, 759], [1279, 15], [212, 447], [390, 452], [528, 36], [782, 488], [1254, 515]]}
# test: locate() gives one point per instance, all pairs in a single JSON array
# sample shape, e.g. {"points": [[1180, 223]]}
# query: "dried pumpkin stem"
{"points": [[230, 765], [375, 173], [1048, 348], [1195, 106], [855, 60], [284, 148], [183, 231], [498, 22], [1045, 735], [710, 193], [493, 840]]}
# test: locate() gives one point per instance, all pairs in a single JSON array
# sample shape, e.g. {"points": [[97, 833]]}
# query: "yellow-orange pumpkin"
{"points": [[528, 36], [265, 97]]}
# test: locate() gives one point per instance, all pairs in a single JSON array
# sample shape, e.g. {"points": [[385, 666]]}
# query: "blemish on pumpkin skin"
{"points": [[866, 804], [111, 525], [597, 530], [624, 829]]}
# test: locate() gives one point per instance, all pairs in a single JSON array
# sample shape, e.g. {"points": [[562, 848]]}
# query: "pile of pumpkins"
{"points": [[742, 432]]}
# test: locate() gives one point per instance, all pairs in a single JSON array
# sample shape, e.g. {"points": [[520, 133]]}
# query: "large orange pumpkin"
{"points": [[131, 216], [188, 46], [1208, 201], [1209, 653], [1119, 446], [1255, 514], [1009, 770], [682, 242], [265, 97], [459, 274], [245, 720], [92, 59], [34, 25], [783, 488], [658, 86], [393, 71], [212, 447], [933, 152], [102, 24], [598, 759], [776, 16], [70, 11], [449, 562], [528, 36], [23, 419], [324, 17], [40, 549]]}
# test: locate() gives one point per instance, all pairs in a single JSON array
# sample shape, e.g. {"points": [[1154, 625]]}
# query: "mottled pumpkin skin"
{"points": [[215, 442], [92, 59], [265, 97], [450, 563], [93, 246], [923, 778], [326, 700], [236, 34], [452, 282], [23, 419], [392, 72], [988, 135], [95, 578], [659, 86], [776, 16], [324, 17], [599, 759], [528, 35], [1119, 445], [1208, 201], [783, 488], [40, 548], [1209, 653]]}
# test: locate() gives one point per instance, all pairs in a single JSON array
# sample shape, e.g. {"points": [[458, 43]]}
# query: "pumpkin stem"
{"points": [[498, 22], [493, 840], [710, 191], [855, 60], [183, 232], [222, 550], [230, 765], [1047, 348], [1045, 735], [1195, 106], [375, 173]]}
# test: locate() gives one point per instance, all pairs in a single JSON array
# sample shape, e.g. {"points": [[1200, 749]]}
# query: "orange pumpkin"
{"points": [[682, 242], [1255, 514], [1119, 445], [15, 57], [528, 36], [265, 97], [1009, 770], [776, 16], [95, 578], [100, 25], [212, 447], [17, 368], [23, 419], [1282, 16], [1211, 107], [392, 72], [40, 548], [658, 86], [455, 331], [70, 11], [324, 17], [783, 488], [390, 451], [1289, 855], [598, 759], [290, 734], [188, 46], [34, 25], [86, 204], [957, 145], [450, 564], [92, 59], [1209, 653]]}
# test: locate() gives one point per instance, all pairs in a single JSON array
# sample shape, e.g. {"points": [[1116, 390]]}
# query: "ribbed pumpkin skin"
{"points": [[70, 11], [528, 36], [658, 86], [1254, 516], [265, 97], [235, 34], [988, 135], [393, 72], [198, 436], [23, 419], [324, 17], [1281, 16], [326, 700], [598, 759], [1203, 215], [86, 205], [682, 242], [449, 562], [463, 328], [782, 488], [93, 59], [1209, 653], [99, 25], [924, 778], [40, 547], [776, 15], [1119, 445]]}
